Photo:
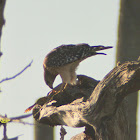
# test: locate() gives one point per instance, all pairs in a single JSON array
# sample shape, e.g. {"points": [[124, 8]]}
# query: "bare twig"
{"points": [[15, 138], [17, 119], [21, 117], [4, 120], [62, 132], [22, 122], [5, 130], [6, 79]]}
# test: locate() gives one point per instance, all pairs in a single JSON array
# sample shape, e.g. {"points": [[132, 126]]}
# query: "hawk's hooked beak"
{"points": [[49, 78]]}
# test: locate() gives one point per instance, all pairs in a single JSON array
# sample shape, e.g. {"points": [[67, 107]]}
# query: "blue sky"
{"points": [[33, 28]]}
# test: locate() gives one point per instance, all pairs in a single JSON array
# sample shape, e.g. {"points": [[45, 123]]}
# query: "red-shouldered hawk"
{"points": [[64, 60]]}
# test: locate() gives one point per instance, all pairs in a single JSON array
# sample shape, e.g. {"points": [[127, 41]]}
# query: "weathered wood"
{"points": [[128, 49], [98, 108]]}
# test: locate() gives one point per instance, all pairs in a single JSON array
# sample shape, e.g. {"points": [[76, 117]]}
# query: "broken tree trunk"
{"points": [[128, 49], [95, 105]]}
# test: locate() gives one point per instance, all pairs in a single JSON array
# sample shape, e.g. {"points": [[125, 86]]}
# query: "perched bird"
{"points": [[64, 60]]}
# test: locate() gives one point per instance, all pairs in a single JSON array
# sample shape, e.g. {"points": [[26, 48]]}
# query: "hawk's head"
{"points": [[49, 78]]}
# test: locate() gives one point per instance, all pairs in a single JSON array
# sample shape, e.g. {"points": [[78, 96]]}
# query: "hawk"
{"points": [[64, 61]]}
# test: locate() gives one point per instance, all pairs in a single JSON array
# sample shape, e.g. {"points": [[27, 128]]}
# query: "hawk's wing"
{"points": [[66, 54]]}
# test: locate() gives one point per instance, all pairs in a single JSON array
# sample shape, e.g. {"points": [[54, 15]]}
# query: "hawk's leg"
{"points": [[62, 88], [55, 92]]}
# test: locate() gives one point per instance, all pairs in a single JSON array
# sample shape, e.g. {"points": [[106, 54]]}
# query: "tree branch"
{"points": [[10, 78], [4, 119], [95, 107]]}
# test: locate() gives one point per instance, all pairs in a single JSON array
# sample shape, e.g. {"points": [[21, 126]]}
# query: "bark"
{"points": [[128, 49], [95, 105]]}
